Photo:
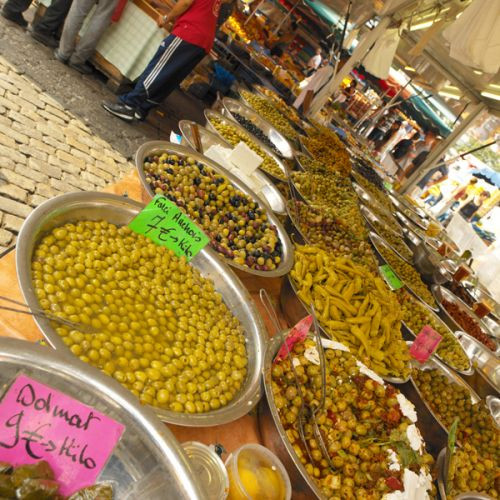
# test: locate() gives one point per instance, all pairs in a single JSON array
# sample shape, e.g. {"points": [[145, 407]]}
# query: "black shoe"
{"points": [[83, 68], [47, 40], [120, 110], [15, 17], [59, 57]]}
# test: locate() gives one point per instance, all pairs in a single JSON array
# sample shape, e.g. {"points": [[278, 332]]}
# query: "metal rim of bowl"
{"points": [[165, 146], [110, 393], [184, 126], [33, 227], [399, 200], [470, 370], [304, 149], [459, 335], [364, 196], [229, 105], [414, 220], [391, 380], [398, 231], [373, 238], [271, 350], [372, 229], [450, 374], [210, 113], [441, 293]]}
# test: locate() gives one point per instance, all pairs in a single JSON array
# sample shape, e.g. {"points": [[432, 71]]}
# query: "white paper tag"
{"points": [[220, 155], [244, 159]]}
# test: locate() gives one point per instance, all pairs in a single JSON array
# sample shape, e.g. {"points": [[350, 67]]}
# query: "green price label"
{"points": [[163, 222], [387, 185], [390, 277]]}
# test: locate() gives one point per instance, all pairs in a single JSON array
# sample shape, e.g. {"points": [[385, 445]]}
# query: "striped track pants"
{"points": [[173, 61]]}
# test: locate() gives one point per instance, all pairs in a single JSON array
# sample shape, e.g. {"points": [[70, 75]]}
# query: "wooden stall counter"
{"points": [[231, 436]]}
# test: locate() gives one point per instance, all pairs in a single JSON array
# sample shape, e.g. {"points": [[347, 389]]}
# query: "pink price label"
{"points": [[425, 344], [297, 334], [38, 422]]}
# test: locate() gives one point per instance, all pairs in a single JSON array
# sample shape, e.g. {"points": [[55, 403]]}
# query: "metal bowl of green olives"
{"points": [[441, 468], [269, 192], [400, 203], [278, 140], [119, 211], [147, 458], [154, 148], [272, 158]]}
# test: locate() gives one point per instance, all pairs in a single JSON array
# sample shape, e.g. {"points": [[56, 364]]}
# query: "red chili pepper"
{"points": [[394, 483]]}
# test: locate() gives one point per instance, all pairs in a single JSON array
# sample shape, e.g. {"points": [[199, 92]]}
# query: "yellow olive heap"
{"points": [[237, 227], [161, 328], [354, 307]]}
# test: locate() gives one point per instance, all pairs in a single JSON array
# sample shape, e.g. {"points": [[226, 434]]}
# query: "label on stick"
{"points": [[425, 344], [38, 422], [167, 225], [390, 277], [297, 334]]}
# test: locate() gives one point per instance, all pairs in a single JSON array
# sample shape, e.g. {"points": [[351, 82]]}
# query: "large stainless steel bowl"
{"points": [[378, 244], [211, 114], [440, 293], [270, 193], [280, 143], [274, 435], [370, 201], [441, 468], [486, 363], [434, 364], [148, 460], [470, 369], [158, 147], [119, 210]]}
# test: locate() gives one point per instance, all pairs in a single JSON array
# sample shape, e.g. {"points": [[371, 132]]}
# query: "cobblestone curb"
{"points": [[44, 151]]}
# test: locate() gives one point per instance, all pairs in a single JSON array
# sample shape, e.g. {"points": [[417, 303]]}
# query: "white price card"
{"points": [[245, 159]]}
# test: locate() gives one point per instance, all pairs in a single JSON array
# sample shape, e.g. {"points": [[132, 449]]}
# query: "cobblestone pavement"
{"points": [[44, 151], [54, 135]]}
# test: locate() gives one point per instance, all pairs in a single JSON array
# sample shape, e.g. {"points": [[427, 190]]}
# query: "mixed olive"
{"points": [[392, 239], [237, 226], [448, 401], [416, 316], [159, 327], [361, 424], [322, 228]]}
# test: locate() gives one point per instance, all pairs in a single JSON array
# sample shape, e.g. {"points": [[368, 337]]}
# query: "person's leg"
{"points": [[74, 21], [171, 64], [98, 23], [53, 18], [13, 9]]}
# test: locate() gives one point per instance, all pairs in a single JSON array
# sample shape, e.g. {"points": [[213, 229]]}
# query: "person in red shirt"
{"points": [[192, 37]]}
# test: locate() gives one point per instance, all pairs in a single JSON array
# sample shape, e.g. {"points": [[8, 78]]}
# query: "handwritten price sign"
{"points": [[163, 222], [390, 277], [425, 344], [41, 423]]}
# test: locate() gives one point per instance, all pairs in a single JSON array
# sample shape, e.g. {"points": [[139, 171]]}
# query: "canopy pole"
{"points": [[288, 14], [358, 54], [437, 152], [253, 12]]}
